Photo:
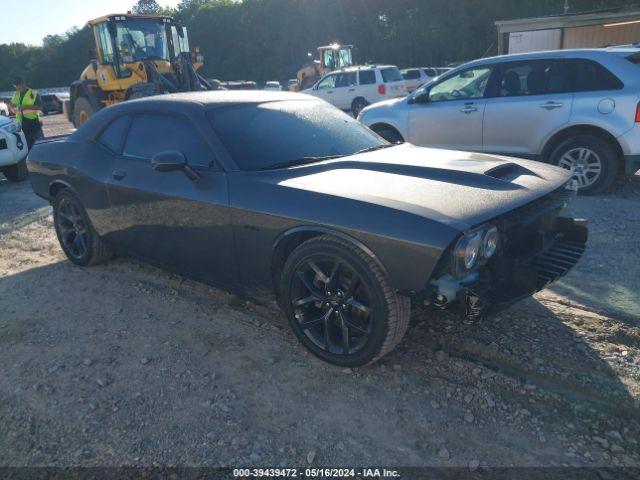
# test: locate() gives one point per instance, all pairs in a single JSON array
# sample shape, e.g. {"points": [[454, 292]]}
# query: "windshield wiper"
{"points": [[300, 161], [376, 147]]}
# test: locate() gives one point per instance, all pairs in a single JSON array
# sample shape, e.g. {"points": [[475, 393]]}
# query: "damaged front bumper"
{"points": [[510, 278]]}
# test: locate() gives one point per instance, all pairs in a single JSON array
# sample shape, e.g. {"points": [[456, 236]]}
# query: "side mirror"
{"points": [[168, 161], [172, 161], [420, 98]]}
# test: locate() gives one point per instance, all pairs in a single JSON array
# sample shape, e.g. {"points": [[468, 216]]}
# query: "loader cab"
{"points": [[335, 57], [124, 41]]}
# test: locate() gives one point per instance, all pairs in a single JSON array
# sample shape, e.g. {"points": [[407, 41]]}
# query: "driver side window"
{"points": [[327, 82], [465, 85]]}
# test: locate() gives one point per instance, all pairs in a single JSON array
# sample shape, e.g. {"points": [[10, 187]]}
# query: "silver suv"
{"points": [[574, 108]]}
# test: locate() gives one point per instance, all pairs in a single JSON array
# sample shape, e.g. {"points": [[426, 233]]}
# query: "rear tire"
{"points": [[79, 241], [357, 105], [390, 134], [592, 159], [352, 300], [82, 111], [17, 172]]}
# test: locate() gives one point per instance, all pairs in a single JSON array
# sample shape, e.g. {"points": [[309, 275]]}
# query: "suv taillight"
{"points": [[638, 113], [382, 89]]}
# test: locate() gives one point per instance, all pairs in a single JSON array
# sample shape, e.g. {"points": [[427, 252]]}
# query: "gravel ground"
{"points": [[124, 364]]}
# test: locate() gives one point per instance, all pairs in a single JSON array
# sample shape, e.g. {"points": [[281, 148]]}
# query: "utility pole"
{"points": [[566, 6]]}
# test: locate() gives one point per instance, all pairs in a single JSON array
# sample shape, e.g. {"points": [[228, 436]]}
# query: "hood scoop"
{"points": [[509, 171]]}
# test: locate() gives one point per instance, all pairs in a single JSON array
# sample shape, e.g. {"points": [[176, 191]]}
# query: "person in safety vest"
{"points": [[27, 105]]}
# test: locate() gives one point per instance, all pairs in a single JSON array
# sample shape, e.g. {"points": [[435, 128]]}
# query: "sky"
{"points": [[29, 21]]}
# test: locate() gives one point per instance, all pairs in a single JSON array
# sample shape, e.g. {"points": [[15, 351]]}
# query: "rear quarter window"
{"points": [[113, 136], [367, 77], [411, 74], [590, 76], [391, 74]]}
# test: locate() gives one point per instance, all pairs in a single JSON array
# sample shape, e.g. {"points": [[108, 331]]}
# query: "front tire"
{"points": [[339, 303], [17, 172], [592, 160], [79, 241], [82, 111], [390, 134]]}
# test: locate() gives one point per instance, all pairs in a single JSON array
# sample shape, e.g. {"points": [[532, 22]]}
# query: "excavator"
{"points": [[330, 57], [135, 56]]}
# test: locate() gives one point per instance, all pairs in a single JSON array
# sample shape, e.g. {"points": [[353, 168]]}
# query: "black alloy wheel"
{"points": [[339, 303], [331, 304], [79, 241], [72, 229]]}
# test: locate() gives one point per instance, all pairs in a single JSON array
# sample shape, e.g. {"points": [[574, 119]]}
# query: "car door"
{"points": [[167, 218], [529, 101], [448, 113], [345, 90], [325, 88]]}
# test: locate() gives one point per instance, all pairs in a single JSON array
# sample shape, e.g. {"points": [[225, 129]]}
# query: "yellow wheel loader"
{"points": [[136, 56], [330, 58]]}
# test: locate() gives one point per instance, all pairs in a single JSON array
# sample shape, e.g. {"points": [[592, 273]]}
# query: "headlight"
{"points": [[474, 247], [468, 249], [490, 242], [12, 128]]}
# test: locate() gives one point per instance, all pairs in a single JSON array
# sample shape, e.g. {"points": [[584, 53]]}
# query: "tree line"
{"points": [[270, 39]]}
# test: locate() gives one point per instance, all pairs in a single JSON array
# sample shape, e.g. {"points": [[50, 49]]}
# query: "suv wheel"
{"points": [[79, 241], [17, 172], [357, 105], [390, 134], [592, 160], [339, 303]]}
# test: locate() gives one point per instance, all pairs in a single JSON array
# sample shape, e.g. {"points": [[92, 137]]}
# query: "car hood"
{"points": [[384, 104], [459, 189], [5, 121]]}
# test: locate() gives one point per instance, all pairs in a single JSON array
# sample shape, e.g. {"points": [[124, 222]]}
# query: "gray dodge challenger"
{"points": [[280, 196]]}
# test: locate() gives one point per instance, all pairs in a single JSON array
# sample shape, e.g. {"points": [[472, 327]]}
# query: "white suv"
{"points": [[13, 150], [578, 109], [416, 77], [352, 89]]}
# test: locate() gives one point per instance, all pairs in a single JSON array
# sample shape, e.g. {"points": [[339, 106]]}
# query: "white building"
{"points": [[602, 28]]}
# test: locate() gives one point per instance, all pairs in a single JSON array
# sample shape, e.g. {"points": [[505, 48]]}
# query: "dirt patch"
{"points": [[124, 364]]}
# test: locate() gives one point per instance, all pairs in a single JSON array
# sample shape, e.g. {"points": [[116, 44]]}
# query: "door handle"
{"points": [[551, 105], [118, 174], [469, 109], [352, 89], [329, 92]]}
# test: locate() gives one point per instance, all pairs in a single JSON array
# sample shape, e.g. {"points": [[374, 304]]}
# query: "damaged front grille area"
{"points": [[557, 261], [537, 248]]}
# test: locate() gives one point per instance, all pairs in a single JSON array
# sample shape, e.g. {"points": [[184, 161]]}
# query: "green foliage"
{"points": [[269, 39], [146, 7]]}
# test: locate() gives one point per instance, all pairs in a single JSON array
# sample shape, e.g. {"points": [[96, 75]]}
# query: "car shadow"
{"points": [[539, 346], [607, 278]]}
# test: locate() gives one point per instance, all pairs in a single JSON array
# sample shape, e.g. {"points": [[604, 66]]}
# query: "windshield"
{"points": [[180, 44], [141, 39], [336, 59], [344, 58], [261, 136]]}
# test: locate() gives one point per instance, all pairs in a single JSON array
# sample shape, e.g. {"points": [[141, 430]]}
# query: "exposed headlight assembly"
{"points": [[490, 242], [468, 250], [475, 247]]}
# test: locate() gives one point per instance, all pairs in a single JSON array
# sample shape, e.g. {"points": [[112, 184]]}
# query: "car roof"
{"points": [[215, 97], [357, 68], [622, 50], [188, 103]]}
